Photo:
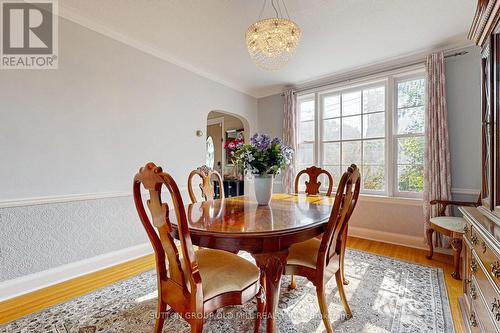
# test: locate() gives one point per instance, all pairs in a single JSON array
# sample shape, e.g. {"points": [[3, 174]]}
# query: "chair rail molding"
{"points": [[465, 191], [71, 198], [60, 198]]}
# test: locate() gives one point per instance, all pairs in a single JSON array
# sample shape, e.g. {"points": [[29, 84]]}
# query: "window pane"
{"points": [[411, 93], [411, 120], [374, 125], [331, 106], [411, 150], [410, 164], [335, 171], [411, 178], [373, 177], [331, 129], [306, 110], [374, 99], [351, 103], [351, 153], [374, 152], [331, 153], [306, 131], [305, 154], [351, 128]]}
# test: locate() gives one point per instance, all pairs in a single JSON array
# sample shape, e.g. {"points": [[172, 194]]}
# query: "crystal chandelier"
{"points": [[272, 41]]}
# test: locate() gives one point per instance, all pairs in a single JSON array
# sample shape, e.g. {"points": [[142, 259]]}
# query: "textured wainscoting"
{"points": [[44, 236]]}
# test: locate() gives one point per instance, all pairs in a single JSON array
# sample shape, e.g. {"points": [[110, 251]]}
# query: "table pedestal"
{"points": [[273, 266]]}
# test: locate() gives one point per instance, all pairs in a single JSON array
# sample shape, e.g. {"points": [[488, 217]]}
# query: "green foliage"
{"points": [[411, 175]]}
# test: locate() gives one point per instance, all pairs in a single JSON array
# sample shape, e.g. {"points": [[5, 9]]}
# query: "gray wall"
{"points": [[270, 118], [87, 127], [464, 120]]}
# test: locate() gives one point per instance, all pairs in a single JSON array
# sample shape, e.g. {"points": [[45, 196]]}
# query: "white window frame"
{"points": [[396, 79], [389, 80]]}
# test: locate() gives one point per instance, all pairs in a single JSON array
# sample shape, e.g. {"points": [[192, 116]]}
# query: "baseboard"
{"points": [[392, 238], [36, 281]]}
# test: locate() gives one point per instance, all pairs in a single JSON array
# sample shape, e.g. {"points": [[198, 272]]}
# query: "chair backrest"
{"points": [[206, 186], [346, 199], [153, 179], [313, 185]]}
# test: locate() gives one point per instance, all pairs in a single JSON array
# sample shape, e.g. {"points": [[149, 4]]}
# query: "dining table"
{"points": [[266, 232]]}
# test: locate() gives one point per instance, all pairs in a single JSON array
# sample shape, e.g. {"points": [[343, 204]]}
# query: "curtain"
{"points": [[290, 137], [437, 171]]}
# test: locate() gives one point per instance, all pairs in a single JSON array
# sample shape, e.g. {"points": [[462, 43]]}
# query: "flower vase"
{"points": [[263, 189]]}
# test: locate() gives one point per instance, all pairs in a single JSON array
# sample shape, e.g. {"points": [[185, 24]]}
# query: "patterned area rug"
{"points": [[385, 295]]}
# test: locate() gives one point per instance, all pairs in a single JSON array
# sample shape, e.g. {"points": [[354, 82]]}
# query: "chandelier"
{"points": [[271, 42]]}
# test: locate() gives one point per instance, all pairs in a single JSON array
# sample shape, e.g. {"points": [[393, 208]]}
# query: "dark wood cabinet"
{"points": [[232, 188], [480, 303]]}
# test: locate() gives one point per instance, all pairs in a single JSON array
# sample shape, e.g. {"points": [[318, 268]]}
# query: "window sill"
{"points": [[391, 200]]}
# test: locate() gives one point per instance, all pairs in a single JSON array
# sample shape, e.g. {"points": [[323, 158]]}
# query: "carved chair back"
{"points": [[207, 188], [346, 199], [153, 179], [313, 185]]}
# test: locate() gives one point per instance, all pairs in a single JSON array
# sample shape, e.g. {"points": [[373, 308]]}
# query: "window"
{"points": [[409, 136], [376, 125]]}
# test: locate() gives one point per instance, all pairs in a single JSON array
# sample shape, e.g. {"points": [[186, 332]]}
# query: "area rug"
{"points": [[385, 295]]}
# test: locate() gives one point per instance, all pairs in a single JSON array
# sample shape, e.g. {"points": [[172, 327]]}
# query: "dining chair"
{"points": [[196, 283], [318, 260], [313, 188], [313, 185], [206, 185], [451, 226]]}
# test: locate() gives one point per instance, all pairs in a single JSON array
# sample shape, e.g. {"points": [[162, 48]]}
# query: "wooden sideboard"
{"points": [[480, 303]]}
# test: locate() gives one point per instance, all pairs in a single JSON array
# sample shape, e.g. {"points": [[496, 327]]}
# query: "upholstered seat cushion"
{"points": [[455, 224], [306, 254], [223, 272]]}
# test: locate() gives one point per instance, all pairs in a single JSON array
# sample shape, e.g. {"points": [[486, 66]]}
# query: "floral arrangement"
{"points": [[263, 156], [232, 144]]}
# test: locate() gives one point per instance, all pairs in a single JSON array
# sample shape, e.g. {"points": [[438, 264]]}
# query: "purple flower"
{"points": [[261, 141], [276, 141]]}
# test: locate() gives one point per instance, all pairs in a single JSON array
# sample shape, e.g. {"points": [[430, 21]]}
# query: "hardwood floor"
{"points": [[38, 300], [35, 301]]}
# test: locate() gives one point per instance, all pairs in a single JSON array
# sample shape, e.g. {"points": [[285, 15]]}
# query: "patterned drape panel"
{"points": [[290, 137], [437, 171]]}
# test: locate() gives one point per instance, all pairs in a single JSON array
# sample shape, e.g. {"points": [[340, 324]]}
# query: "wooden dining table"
{"points": [[266, 232]]}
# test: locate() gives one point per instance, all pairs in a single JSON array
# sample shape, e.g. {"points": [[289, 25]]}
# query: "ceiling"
{"points": [[207, 36]]}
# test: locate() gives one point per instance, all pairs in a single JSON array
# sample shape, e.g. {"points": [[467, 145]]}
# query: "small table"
{"points": [[266, 232], [452, 227]]}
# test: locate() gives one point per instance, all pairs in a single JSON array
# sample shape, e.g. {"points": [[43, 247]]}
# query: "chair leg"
{"points": [[456, 245], [340, 286], [261, 303], [323, 307], [342, 256], [430, 231], [293, 284], [161, 313], [197, 326]]}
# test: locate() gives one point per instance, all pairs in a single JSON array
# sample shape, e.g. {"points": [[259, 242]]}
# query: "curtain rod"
{"points": [[457, 54]]}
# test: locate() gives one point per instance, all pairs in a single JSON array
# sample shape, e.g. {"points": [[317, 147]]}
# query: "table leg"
{"points": [[273, 265]]}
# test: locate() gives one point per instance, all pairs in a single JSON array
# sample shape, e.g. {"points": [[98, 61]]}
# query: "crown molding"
{"points": [[75, 17], [387, 64]]}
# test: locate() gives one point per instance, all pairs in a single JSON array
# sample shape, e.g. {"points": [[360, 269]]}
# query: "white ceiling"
{"points": [[207, 36]]}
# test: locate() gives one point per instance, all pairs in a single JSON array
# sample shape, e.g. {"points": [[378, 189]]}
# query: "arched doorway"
{"points": [[224, 131]]}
